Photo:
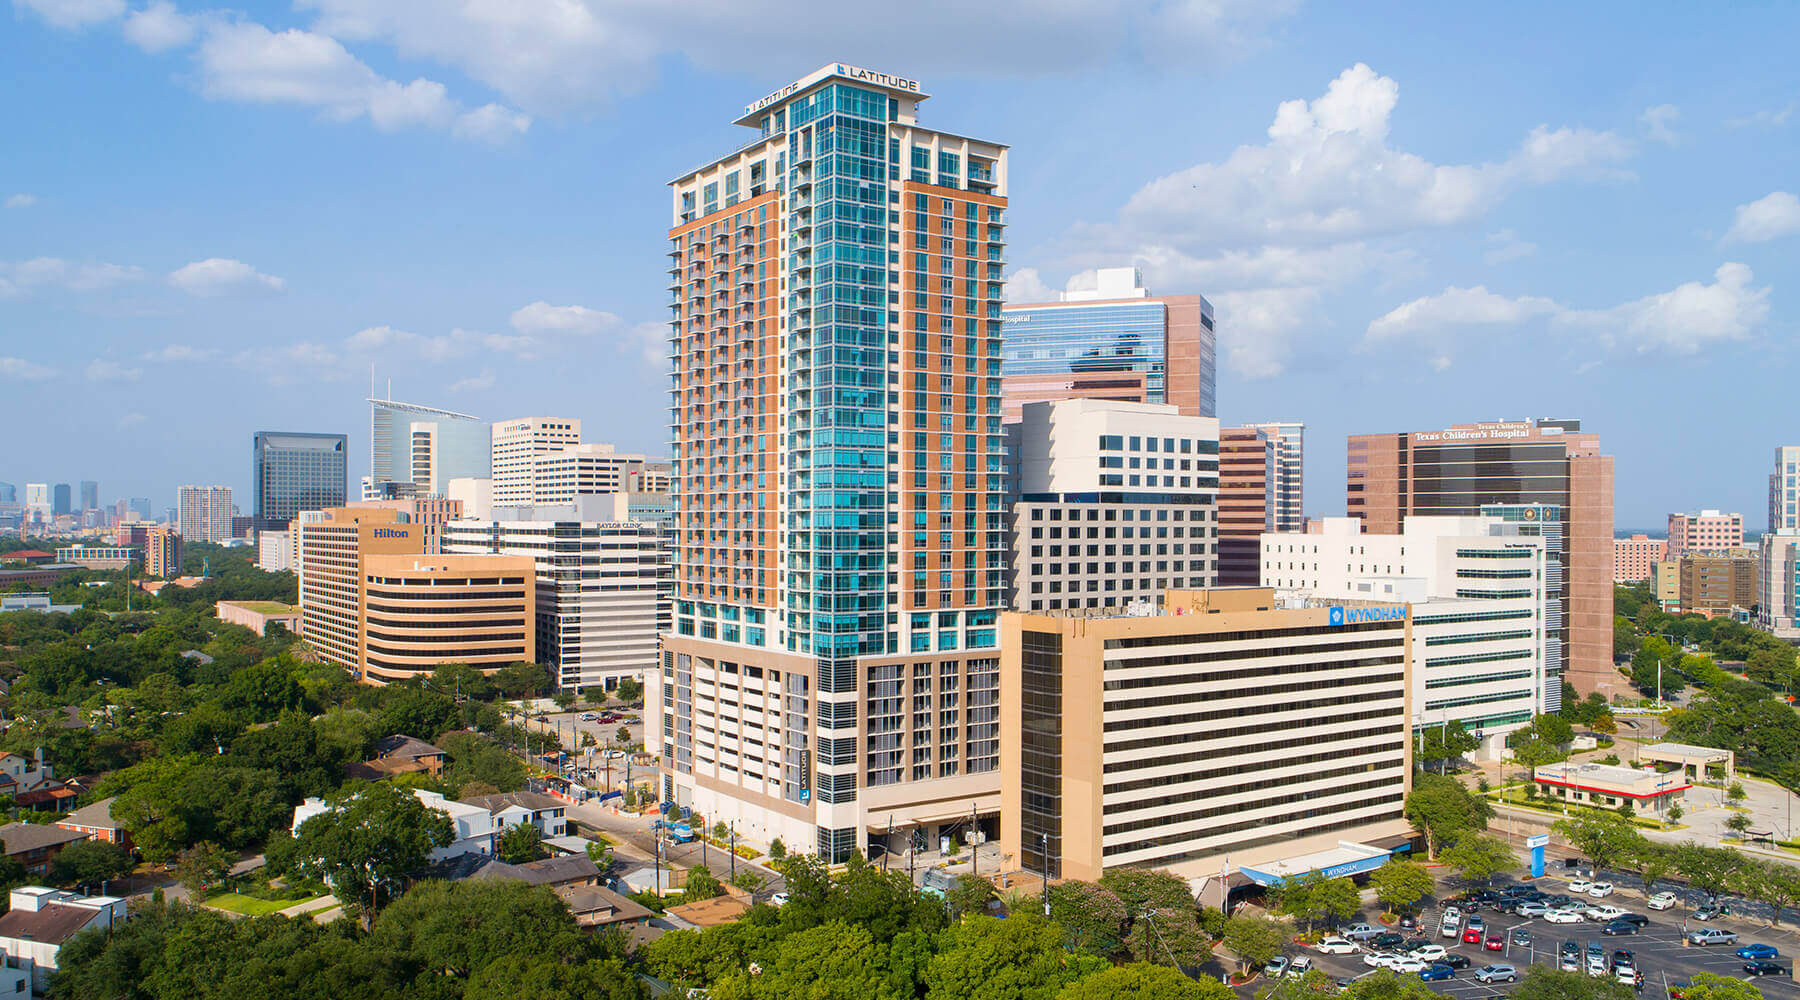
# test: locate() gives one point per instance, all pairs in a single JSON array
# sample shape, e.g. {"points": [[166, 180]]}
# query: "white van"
{"points": [[1452, 925]]}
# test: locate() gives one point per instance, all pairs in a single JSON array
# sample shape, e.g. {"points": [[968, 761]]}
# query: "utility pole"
{"points": [[974, 845], [733, 828], [659, 886], [1045, 837], [887, 847]]}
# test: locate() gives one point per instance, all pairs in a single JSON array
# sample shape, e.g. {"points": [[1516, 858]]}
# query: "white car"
{"points": [[1580, 886], [1428, 952], [1600, 890], [1562, 916], [1452, 915], [1337, 946], [1300, 966], [1277, 965], [1661, 901], [1603, 914], [779, 899], [1404, 965], [1380, 959], [1628, 975]]}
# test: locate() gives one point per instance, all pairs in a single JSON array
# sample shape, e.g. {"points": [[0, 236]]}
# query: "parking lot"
{"points": [[1657, 950]]}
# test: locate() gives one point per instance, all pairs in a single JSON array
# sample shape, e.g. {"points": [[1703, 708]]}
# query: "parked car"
{"points": [[1436, 952], [1661, 901], [1450, 926], [1623, 956], [1496, 941], [1603, 914], [1432, 973], [1758, 951], [1580, 886], [1562, 917], [1521, 937], [1638, 919], [1379, 959], [1600, 890], [1619, 927], [1452, 914], [1360, 932], [1472, 935], [1411, 945], [1300, 966], [1712, 911], [1387, 939], [1454, 961], [1276, 966], [1337, 946], [1764, 968], [779, 899], [587, 717], [1531, 909], [1628, 975], [1711, 935], [1497, 974], [1404, 965], [1409, 923]]}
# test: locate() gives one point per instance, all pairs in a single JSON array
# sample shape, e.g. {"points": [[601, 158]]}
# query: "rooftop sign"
{"points": [[1340, 616], [845, 70], [1480, 432]]}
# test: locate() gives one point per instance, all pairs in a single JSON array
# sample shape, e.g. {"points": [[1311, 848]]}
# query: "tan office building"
{"points": [[332, 551], [1221, 729], [420, 611], [1247, 474], [1712, 585]]}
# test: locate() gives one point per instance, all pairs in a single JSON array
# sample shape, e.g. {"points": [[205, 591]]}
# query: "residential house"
{"points": [[597, 906], [20, 774], [53, 797], [96, 820], [475, 830], [557, 873], [399, 755], [41, 920], [512, 808], [35, 845]]}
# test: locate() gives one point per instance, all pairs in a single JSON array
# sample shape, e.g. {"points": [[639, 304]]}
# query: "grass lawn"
{"points": [[250, 906], [266, 607]]}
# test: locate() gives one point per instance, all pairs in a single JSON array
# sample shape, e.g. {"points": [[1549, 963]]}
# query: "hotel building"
{"points": [[1482, 616], [1114, 341], [1635, 557], [419, 611], [1543, 472], [1708, 531], [835, 292], [1116, 503], [515, 446], [204, 513], [1247, 475], [604, 584], [429, 513], [296, 471], [1220, 734]]}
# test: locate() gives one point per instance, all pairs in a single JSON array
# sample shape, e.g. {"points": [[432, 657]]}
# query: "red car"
{"points": [[1472, 936], [1495, 942]]}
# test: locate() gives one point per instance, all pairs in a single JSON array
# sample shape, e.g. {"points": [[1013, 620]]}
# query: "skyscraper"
{"points": [[90, 495], [425, 446], [841, 546], [1247, 472], [296, 471], [1289, 489], [204, 513], [1784, 484], [1115, 341], [1546, 472], [515, 446], [61, 500]]}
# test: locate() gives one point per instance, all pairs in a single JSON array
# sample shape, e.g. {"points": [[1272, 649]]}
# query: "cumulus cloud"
{"points": [[223, 276], [1681, 321], [108, 370], [245, 61], [1660, 122], [456, 344], [540, 323], [1770, 217], [542, 317], [1328, 174], [1505, 245], [181, 352], [28, 371], [1026, 285], [53, 272], [159, 27], [21, 200], [73, 14]]}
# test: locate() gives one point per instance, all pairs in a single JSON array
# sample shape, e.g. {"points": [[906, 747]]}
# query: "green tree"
{"points": [[1445, 743], [777, 850], [1709, 869], [1653, 863], [1541, 982], [1607, 839], [366, 841], [1774, 883], [457, 928], [90, 863], [983, 958], [1736, 792], [748, 881], [522, 680], [1552, 729], [1385, 985], [1625, 637], [623, 736], [1141, 889], [1400, 883], [701, 884], [969, 895], [202, 867], [628, 690], [1709, 986], [1479, 857], [460, 680], [1338, 899], [1254, 940], [518, 978], [1142, 981], [521, 842], [1442, 809], [1092, 917], [1168, 934], [1738, 823]]}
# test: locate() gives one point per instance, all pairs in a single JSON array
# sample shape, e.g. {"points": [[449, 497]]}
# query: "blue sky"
{"points": [[1408, 216]]}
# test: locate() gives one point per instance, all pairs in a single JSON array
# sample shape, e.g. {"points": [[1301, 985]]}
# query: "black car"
{"points": [[1617, 927], [1413, 944], [1764, 968], [1484, 895], [1454, 961], [1409, 923], [1386, 940], [1634, 918]]}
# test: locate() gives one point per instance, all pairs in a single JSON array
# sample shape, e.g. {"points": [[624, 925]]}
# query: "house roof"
{"points": [[587, 902], [22, 837], [549, 871], [97, 815], [48, 794], [710, 912], [533, 801], [405, 746], [54, 923]]}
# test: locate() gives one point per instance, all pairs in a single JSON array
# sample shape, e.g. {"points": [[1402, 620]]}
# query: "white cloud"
{"points": [[132, 419], [491, 123], [1766, 119], [1025, 285], [448, 347], [108, 370], [222, 276], [540, 322], [159, 27], [181, 352], [1259, 329], [542, 317], [21, 200], [1660, 121], [560, 55], [73, 14], [53, 272], [1507, 246], [19, 368], [1682, 321], [474, 383], [244, 61], [1455, 307], [1328, 174], [1770, 217]]}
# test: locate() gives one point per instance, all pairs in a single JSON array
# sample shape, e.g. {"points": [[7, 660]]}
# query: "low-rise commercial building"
{"points": [[1216, 730], [98, 556], [258, 615], [1605, 786], [1714, 585], [1634, 557]]}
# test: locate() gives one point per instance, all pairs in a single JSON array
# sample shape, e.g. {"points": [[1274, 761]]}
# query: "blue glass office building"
{"points": [[296, 471]]}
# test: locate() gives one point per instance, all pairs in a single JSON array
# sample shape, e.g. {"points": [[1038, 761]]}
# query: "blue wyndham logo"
{"points": [[1337, 617], [1353, 616]]}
